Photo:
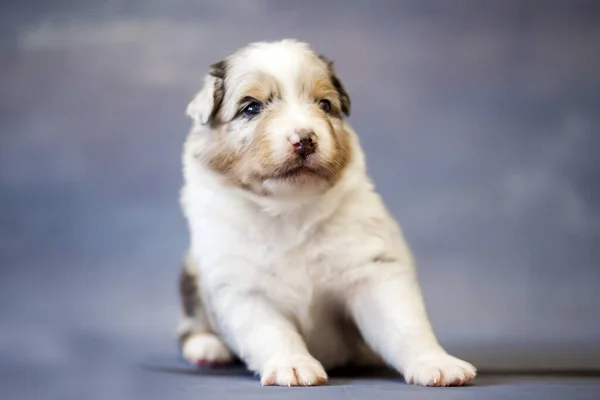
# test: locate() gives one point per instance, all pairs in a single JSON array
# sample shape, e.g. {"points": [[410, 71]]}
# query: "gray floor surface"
{"points": [[480, 124], [165, 377]]}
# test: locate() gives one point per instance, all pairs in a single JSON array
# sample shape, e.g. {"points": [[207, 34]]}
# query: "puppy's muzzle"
{"points": [[306, 144]]}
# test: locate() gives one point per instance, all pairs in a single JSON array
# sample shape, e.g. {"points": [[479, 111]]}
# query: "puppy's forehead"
{"points": [[287, 62]]}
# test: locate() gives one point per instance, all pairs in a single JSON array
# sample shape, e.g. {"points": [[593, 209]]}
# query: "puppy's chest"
{"points": [[300, 282], [289, 257], [279, 258]]}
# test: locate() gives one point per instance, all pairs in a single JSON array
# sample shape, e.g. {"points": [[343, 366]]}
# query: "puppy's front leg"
{"points": [[267, 341], [392, 318]]}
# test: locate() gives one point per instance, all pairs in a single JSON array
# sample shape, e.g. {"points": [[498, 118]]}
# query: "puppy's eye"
{"points": [[252, 109], [325, 105]]}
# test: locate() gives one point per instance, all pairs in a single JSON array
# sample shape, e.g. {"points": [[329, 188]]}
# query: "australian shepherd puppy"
{"points": [[295, 266]]}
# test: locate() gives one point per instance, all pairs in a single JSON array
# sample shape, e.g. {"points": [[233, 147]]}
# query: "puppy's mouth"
{"points": [[298, 171], [295, 172]]}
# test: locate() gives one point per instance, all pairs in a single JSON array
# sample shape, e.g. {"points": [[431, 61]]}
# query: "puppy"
{"points": [[295, 266]]}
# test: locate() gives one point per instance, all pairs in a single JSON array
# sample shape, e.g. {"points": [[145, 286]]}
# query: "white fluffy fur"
{"points": [[287, 278]]}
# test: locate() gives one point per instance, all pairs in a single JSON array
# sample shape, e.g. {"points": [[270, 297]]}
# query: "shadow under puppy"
{"points": [[294, 265]]}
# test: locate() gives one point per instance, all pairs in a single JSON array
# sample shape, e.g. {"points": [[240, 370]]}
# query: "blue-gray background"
{"points": [[480, 120]]}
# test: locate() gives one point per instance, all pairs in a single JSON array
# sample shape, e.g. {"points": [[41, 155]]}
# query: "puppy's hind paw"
{"points": [[206, 349]]}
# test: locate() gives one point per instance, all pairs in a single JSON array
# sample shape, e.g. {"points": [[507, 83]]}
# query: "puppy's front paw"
{"points": [[439, 370], [294, 370], [206, 349]]}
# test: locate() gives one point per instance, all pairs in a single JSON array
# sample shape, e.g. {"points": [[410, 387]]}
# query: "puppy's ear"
{"points": [[205, 106], [337, 84]]}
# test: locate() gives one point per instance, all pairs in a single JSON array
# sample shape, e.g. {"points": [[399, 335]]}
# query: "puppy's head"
{"points": [[273, 117]]}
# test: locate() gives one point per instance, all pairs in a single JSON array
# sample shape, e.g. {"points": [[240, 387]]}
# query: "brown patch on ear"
{"points": [[344, 97], [219, 71], [337, 84]]}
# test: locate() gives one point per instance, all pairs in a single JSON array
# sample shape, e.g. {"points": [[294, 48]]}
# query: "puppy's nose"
{"points": [[305, 145]]}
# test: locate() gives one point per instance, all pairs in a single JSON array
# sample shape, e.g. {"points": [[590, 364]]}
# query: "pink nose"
{"points": [[305, 146]]}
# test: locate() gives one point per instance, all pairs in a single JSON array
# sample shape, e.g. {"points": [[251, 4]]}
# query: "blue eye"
{"points": [[252, 109]]}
